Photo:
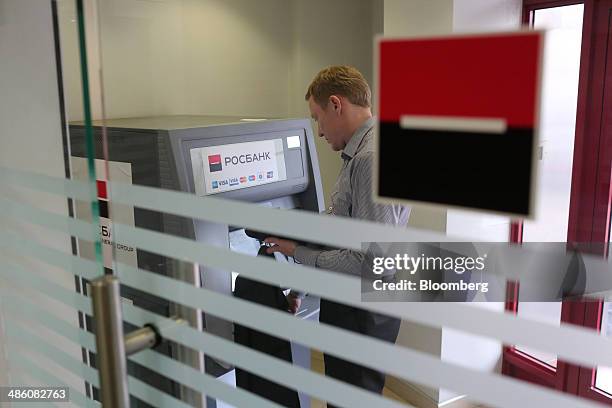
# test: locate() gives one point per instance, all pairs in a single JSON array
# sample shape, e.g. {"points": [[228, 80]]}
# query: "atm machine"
{"points": [[264, 162]]}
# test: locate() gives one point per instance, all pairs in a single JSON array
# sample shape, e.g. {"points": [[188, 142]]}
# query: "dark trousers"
{"points": [[363, 322], [271, 296]]}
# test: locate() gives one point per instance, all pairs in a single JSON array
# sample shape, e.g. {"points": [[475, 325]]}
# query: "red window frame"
{"points": [[599, 101], [591, 195]]}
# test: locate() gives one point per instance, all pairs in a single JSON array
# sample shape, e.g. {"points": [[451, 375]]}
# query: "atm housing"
{"points": [[158, 149]]}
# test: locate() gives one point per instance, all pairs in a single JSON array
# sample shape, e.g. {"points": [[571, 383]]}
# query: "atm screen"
{"points": [[222, 168]]}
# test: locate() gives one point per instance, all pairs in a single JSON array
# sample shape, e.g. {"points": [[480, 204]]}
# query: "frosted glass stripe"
{"points": [[87, 340], [213, 387], [247, 313], [48, 184], [347, 289], [205, 383], [334, 231], [430, 314], [503, 326], [26, 371], [31, 214], [153, 396], [20, 337], [262, 364], [303, 225], [31, 279], [23, 362], [598, 276], [416, 366], [29, 248], [20, 309]]}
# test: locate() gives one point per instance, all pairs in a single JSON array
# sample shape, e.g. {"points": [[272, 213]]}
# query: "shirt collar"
{"points": [[353, 144]]}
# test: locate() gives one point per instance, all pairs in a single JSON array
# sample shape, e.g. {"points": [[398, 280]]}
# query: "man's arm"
{"points": [[363, 207]]}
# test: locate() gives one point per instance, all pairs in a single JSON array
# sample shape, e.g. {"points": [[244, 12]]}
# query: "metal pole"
{"points": [[141, 339], [111, 361]]}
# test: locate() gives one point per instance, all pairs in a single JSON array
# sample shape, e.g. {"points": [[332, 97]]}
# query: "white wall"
{"points": [[209, 57], [418, 17], [328, 33], [218, 57], [30, 139]]}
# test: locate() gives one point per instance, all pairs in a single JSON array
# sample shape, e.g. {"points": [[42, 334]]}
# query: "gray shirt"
{"points": [[352, 197]]}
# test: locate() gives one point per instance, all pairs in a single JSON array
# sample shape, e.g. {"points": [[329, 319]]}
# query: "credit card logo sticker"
{"points": [[270, 174], [215, 184], [252, 177], [234, 181], [214, 162], [243, 179]]}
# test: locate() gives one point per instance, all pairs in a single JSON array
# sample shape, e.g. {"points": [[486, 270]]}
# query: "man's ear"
{"points": [[336, 104]]}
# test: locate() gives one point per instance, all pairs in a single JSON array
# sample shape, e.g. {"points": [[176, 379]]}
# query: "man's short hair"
{"points": [[340, 80]]}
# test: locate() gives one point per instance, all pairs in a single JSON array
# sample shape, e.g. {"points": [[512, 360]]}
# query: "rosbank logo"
{"points": [[214, 162], [245, 158]]}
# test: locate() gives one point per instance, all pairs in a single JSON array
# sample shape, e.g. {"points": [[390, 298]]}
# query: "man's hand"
{"points": [[294, 302], [284, 246]]}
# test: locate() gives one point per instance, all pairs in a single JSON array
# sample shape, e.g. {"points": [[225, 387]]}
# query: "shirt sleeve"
{"points": [[362, 207]]}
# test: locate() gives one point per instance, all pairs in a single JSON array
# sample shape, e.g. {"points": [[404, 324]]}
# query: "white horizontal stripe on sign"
{"points": [[453, 124]]}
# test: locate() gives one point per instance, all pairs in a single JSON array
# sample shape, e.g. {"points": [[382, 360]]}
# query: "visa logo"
{"points": [[234, 181]]}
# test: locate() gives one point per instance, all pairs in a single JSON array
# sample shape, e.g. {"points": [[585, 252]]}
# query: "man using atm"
{"points": [[339, 100]]}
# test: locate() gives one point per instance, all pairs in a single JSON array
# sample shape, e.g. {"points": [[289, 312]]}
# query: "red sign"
{"points": [[457, 120]]}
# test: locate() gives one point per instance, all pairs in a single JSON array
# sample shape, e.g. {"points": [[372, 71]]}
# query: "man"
{"points": [[339, 100]]}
